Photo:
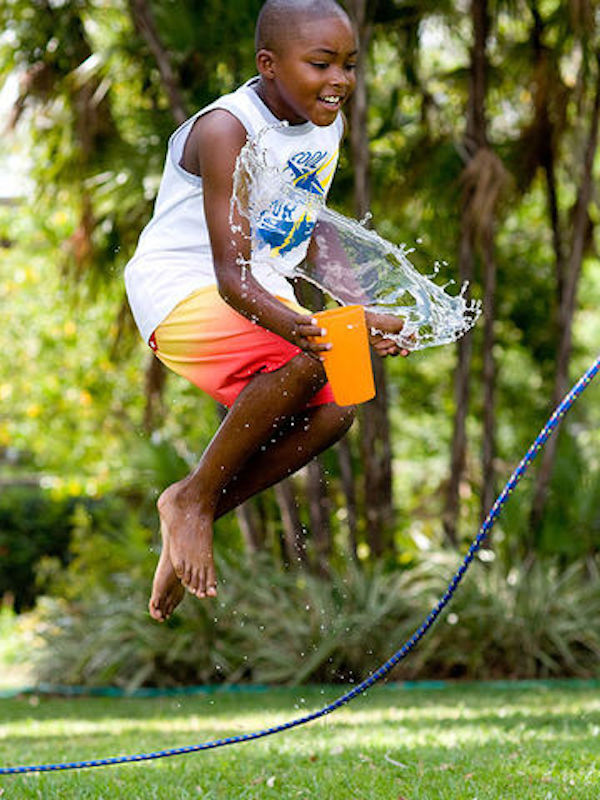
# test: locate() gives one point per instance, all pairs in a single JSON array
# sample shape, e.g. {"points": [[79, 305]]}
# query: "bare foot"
{"points": [[190, 541], [167, 591]]}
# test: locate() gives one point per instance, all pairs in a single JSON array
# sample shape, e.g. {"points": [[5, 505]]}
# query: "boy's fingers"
{"points": [[388, 323], [316, 347], [387, 347], [310, 327], [312, 335]]}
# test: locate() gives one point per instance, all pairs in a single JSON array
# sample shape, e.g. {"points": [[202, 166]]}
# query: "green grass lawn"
{"points": [[472, 741]]}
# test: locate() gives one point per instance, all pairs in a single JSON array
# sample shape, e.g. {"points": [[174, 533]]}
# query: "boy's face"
{"points": [[312, 74]]}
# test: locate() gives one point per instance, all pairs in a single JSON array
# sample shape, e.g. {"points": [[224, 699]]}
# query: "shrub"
{"points": [[32, 524], [41, 533], [268, 625], [534, 620]]}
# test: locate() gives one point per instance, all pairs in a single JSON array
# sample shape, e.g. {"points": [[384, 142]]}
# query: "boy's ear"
{"points": [[265, 60]]}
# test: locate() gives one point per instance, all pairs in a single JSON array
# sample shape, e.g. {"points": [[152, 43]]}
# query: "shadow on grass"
{"points": [[452, 743]]}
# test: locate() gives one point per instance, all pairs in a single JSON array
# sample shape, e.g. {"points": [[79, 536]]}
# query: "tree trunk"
{"points": [[567, 306], [344, 453], [154, 379], [251, 526], [488, 492], [315, 489], [376, 451], [544, 77], [252, 533], [475, 139], [462, 374], [374, 422], [143, 19], [293, 533], [319, 510], [359, 139]]}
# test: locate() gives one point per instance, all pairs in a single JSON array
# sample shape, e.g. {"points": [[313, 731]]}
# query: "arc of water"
{"points": [[294, 232]]}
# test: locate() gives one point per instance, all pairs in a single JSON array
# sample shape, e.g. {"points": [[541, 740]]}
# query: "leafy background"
{"points": [[90, 432]]}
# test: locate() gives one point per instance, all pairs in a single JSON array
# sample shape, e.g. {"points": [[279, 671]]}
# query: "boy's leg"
{"points": [[302, 438], [187, 508]]}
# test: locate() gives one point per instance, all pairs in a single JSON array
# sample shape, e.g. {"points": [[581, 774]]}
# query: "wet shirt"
{"points": [[174, 258]]}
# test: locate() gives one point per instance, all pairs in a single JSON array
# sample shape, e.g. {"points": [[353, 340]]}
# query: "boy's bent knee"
{"points": [[338, 418], [309, 370], [346, 415]]}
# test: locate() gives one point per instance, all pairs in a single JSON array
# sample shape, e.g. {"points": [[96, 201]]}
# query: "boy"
{"points": [[238, 333]]}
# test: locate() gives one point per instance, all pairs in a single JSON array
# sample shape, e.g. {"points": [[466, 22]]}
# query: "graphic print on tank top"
{"points": [[286, 224]]}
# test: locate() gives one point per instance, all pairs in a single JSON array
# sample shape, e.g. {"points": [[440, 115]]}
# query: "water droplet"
{"points": [[262, 192]]}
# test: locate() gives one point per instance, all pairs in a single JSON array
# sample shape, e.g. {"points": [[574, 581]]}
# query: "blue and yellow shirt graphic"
{"points": [[286, 224]]}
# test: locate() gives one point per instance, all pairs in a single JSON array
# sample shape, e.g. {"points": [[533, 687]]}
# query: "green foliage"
{"points": [[92, 375], [94, 119], [33, 524], [534, 620], [41, 531], [572, 506], [11, 644], [270, 626]]}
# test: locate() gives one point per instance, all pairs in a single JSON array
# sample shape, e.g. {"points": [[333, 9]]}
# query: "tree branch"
{"points": [[143, 19]]}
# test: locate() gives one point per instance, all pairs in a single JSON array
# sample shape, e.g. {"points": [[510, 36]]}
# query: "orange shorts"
{"points": [[206, 341]]}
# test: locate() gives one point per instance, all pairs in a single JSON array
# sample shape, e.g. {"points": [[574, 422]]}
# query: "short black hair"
{"points": [[278, 16]]}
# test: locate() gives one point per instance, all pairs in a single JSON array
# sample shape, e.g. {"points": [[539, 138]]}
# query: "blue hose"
{"points": [[543, 436]]}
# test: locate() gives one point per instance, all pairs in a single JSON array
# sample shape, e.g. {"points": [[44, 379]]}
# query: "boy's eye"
{"points": [[350, 67], [320, 64]]}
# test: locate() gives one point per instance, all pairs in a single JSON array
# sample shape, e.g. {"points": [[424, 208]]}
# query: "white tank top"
{"points": [[174, 258]]}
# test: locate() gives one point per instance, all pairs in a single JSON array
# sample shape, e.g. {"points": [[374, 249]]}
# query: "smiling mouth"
{"points": [[332, 100]]}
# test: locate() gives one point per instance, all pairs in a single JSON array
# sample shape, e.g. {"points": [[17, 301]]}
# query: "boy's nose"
{"points": [[340, 78]]}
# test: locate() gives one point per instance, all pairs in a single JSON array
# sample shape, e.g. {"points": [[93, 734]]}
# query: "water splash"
{"points": [[294, 232], [355, 265]]}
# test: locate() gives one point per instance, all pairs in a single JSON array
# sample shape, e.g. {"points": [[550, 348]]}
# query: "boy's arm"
{"points": [[215, 141], [349, 289]]}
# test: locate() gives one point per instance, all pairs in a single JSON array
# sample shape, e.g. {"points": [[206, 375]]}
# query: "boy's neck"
{"points": [[259, 88]]}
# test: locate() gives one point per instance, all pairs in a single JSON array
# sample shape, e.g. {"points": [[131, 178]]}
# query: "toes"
{"points": [[187, 576], [200, 582], [155, 612], [208, 582], [179, 568], [211, 581], [201, 589], [195, 583]]}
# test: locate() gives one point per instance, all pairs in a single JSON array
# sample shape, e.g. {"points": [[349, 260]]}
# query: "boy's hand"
{"points": [[387, 323], [304, 331]]}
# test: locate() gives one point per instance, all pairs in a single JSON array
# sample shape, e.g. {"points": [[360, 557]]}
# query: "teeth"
{"points": [[331, 99]]}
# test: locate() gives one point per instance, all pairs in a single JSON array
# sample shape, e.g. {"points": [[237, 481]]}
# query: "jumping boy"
{"points": [[238, 333]]}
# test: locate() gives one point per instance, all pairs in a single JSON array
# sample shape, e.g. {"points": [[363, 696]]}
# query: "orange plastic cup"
{"points": [[348, 363]]}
